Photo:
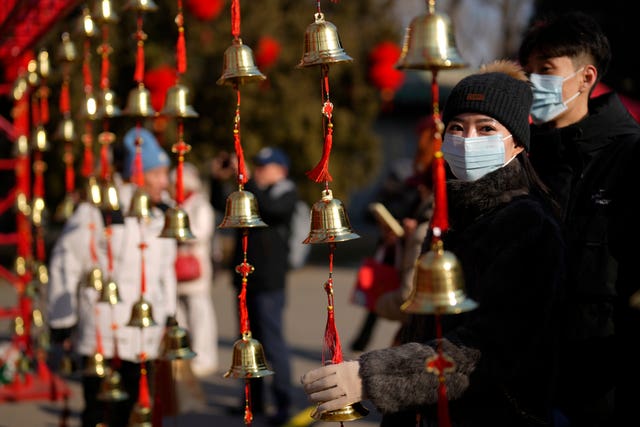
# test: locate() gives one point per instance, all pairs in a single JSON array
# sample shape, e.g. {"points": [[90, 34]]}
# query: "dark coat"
{"points": [[512, 255]]}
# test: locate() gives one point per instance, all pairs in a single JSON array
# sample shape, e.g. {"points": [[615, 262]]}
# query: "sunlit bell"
{"points": [[107, 106], [38, 211], [350, 412], [111, 388], [67, 49], [44, 64], [176, 104], [241, 211], [66, 131], [109, 293], [65, 208], [329, 221], [103, 12], [22, 204], [176, 225], [141, 314], [139, 103], [95, 366], [238, 66], [176, 342], [438, 285], [140, 205], [33, 77], [21, 146], [248, 359], [141, 5], [40, 140], [322, 44], [89, 110], [110, 200], [86, 27], [20, 265], [40, 272], [141, 416], [429, 44], [95, 279], [20, 87], [93, 191]]}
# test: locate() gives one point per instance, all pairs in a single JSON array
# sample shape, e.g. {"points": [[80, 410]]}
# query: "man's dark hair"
{"points": [[570, 34]]}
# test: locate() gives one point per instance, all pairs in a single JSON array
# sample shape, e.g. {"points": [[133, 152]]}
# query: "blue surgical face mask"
{"points": [[547, 96], [472, 158]]}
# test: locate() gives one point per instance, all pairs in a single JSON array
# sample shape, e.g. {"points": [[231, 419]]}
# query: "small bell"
{"points": [[110, 293], [141, 416], [110, 199], [89, 110], [248, 359], [44, 64], [20, 265], [438, 284], [176, 343], [86, 26], [41, 272], [238, 66], [95, 279], [20, 87], [322, 44], [176, 225], [65, 208], [67, 50], [95, 366], [139, 103], [141, 5], [176, 104], [111, 388], [140, 205], [241, 211], [21, 146], [66, 131], [103, 12], [141, 314], [93, 191], [40, 141], [329, 221], [38, 211], [107, 106], [349, 412]]}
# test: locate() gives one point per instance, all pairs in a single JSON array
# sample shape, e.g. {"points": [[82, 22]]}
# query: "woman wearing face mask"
{"points": [[508, 242]]}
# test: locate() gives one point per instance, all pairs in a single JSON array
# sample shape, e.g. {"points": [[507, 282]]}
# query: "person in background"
{"points": [[74, 312], [267, 252], [195, 308], [505, 235], [587, 151]]}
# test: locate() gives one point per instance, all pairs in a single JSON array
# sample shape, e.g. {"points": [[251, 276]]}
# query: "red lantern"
{"points": [[267, 52], [383, 73], [205, 10]]}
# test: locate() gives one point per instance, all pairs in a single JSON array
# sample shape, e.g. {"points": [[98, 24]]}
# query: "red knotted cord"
{"points": [[143, 276], [87, 141], [242, 169], [440, 216], [181, 48], [69, 172], [144, 398], [105, 50], [235, 18], [138, 75], [320, 172], [244, 270], [65, 99], [44, 105], [331, 349]]}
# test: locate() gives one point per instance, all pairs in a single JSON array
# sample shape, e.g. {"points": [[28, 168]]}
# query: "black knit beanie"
{"points": [[495, 94]]}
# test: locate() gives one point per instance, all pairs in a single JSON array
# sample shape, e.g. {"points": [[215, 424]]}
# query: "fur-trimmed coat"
{"points": [[512, 255]]}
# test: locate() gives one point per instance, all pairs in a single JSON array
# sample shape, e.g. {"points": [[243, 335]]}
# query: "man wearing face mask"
{"points": [[505, 235], [587, 151]]}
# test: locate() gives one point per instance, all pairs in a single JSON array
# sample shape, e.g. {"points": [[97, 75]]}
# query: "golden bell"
{"points": [[141, 416], [438, 284], [93, 191], [139, 103], [44, 64], [33, 77], [176, 343], [176, 225], [110, 199], [66, 131], [110, 293], [38, 211], [141, 5], [248, 359], [111, 388], [429, 44], [107, 106], [350, 412], [141, 314], [67, 50], [40, 272], [95, 366], [65, 208], [103, 12], [176, 103], [20, 265], [241, 211], [322, 44], [329, 222], [89, 110], [20, 87], [238, 66], [140, 205], [95, 279], [40, 140], [86, 27]]}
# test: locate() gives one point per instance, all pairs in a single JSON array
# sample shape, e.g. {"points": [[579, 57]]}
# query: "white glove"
{"points": [[333, 386]]}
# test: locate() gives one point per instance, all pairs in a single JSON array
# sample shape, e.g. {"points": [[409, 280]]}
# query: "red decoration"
{"points": [[158, 81], [205, 10], [383, 73], [267, 52]]}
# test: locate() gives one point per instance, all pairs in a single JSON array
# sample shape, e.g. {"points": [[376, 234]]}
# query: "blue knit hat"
{"points": [[271, 155], [153, 156]]}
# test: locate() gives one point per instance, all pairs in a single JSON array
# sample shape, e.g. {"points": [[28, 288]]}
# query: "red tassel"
{"points": [[331, 349], [86, 69], [65, 100], [320, 173], [244, 269], [44, 106], [248, 415], [138, 75], [181, 49], [144, 398], [242, 168], [235, 18], [143, 276], [440, 218]]}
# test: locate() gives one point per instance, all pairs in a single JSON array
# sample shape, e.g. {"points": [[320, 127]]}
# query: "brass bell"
{"points": [[107, 107], [176, 103], [38, 211], [95, 366], [322, 44], [139, 103], [21, 146], [438, 284], [93, 191], [89, 110], [141, 416], [329, 221], [44, 64], [429, 44], [248, 359], [86, 27], [176, 225], [20, 265], [103, 12], [33, 77], [110, 199], [66, 131], [176, 342], [141, 314], [241, 211], [40, 272], [95, 279], [111, 388], [141, 5], [65, 208], [20, 87], [110, 293], [140, 205], [40, 140], [349, 412], [67, 50], [238, 66]]}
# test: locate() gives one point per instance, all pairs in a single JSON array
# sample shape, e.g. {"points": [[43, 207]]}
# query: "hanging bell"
{"points": [[329, 221], [20, 87], [176, 225], [33, 77], [67, 50], [89, 110], [176, 343], [103, 12], [44, 64], [241, 211], [140, 205], [40, 273], [349, 412], [438, 284], [111, 388], [93, 191], [322, 44], [248, 359], [141, 5], [141, 314], [20, 265], [66, 131], [40, 140], [95, 366], [110, 293], [139, 103], [86, 26], [429, 44], [110, 200], [95, 279], [38, 211], [107, 107], [176, 103], [65, 208], [141, 416], [238, 66]]}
